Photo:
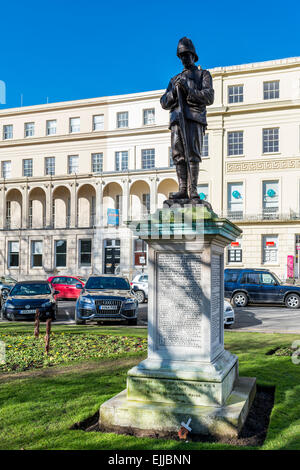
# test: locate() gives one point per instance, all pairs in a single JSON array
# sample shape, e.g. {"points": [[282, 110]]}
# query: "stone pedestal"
{"points": [[187, 373]]}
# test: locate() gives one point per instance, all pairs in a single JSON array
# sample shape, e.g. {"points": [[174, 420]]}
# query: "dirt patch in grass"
{"points": [[253, 432]]}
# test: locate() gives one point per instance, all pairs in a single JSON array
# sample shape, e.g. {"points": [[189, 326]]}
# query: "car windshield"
{"points": [[31, 289], [277, 278], [107, 283]]}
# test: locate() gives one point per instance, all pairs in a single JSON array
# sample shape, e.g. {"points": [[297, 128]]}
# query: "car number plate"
{"points": [[27, 311], [107, 307]]}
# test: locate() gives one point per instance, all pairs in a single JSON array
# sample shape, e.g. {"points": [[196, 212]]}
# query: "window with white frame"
{"points": [[85, 252], [122, 119], [235, 200], [235, 143], [29, 129], [98, 122], [235, 252], [270, 249], [13, 254], [50, 166], [97, 162], [6, 169], [171, 161], [149, 116], [27, 167], [271, 90], [205, 146], [121, 160], [74, 125], [235, 93], [146, 204], [73, 164], [7, 132], [36, 254], [271, 140], [148, 159], [270, 203], [203, 191], [60, 253], [51, 127]]}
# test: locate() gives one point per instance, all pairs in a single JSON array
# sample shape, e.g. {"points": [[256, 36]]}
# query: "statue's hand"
{"points": [[182, 83]]}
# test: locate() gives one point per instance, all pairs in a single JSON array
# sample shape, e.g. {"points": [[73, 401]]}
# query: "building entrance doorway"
{"points": [[111, 255]]}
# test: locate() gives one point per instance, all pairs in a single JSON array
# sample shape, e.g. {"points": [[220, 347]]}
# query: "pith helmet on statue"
{"points": [[185, 45]]}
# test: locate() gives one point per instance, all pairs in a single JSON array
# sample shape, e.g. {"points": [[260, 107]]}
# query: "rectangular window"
{"points": [[271, 90], [8, 132], [121, 159], [271, 140], [6, 169], [235, 199], [149, 116], [36, 254], [235, 255], [8, 215], [73, 162], [97, 162], [140, 254], [270, 201], [148, 159], [270, 249], [85, 250], [29, 129], [171, 161], [205, 146], [27, 167], [203, 191], [50, 166], [235, 143], [122, 119], [51, 127], [98, 122], [60, 253], [146, 204], [236, 94], [74, 125], [13, 254]]}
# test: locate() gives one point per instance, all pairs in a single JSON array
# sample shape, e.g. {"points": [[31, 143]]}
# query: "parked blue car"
{"points": [[106, 298], [242, 286]]}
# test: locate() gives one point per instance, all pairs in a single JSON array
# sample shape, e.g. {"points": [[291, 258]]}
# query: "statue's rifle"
{"points": [[182, 126]]}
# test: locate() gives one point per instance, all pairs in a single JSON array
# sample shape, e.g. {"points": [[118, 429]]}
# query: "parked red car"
{"points": [[66, 285]]}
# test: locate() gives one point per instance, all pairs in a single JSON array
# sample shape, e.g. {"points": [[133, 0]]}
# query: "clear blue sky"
{"points": [[70, 49]]}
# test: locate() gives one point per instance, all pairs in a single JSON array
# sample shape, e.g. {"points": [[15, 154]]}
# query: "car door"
{"points": [[59, 284], [72, 291], [251, 283], [270, 289]]}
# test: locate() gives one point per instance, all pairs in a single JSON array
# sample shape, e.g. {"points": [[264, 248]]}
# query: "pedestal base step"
{"points": [[140, 418]]}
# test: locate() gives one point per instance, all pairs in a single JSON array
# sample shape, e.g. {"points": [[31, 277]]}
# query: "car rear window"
{"points": [[231, 277], [107, 283]]}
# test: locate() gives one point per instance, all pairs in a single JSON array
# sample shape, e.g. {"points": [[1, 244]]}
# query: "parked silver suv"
{"points": [[140, 286]]}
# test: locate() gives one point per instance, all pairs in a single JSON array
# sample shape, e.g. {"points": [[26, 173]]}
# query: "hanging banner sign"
{"points": [[290, 266], [112, 216]]}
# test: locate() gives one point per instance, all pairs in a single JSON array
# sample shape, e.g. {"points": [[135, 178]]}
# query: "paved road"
{"points": [[263, 318]]}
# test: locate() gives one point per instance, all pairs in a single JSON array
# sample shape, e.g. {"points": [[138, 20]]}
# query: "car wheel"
{"points": [[227, 326], [292, 301], [132, 321], [140, 296], [240, 299], [80, 322]]}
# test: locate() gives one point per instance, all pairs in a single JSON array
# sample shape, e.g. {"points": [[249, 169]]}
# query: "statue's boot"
{"points": [[194, 167], [181, 171]]}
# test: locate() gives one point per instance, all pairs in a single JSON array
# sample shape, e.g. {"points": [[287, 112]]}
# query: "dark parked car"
{"points": [[242, 286], [6, 284], [106, 298], [28, 296]]}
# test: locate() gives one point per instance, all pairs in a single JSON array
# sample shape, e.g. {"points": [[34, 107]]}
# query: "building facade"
{"points": [[73, 172]]}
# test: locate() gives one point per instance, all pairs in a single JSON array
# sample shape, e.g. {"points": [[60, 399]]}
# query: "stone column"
{"points": [[25, 205], [218, 201], [153, 193], [48, 188], [74, 202], [2, 207], [125, 199]]}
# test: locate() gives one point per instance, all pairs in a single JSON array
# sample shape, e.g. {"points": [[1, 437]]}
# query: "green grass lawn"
{"points": [[38, 407]]}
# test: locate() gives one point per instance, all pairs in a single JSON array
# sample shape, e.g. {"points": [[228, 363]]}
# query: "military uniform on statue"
{"points": [[186, 97]]}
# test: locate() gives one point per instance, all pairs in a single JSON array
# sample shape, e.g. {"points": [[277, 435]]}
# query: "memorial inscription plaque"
{"points": [[179, 299], [216, 308]]}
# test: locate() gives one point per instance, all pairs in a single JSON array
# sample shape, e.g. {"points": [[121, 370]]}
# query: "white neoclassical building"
{"points": [[73, 172]]}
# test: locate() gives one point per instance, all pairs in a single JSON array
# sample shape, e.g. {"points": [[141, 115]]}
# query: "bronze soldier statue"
{"points": [[186, 97]]}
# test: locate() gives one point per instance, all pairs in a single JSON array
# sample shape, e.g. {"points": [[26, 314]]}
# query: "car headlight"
{"points": [[46, 304], [85, 300], [9, 304]]}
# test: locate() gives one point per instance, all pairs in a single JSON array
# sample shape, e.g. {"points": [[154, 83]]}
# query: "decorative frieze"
{"points": [[262, 165]]}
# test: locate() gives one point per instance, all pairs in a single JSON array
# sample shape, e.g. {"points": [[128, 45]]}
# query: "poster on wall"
{"points": [[112, 216], [290, 266]]}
